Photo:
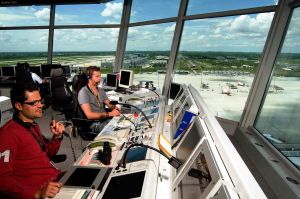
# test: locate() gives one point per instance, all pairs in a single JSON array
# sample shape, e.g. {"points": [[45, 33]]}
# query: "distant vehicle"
{"points": [[226, 91], [204, 85], [274, 88], [182, 72], [239, 83], [232, 86]]}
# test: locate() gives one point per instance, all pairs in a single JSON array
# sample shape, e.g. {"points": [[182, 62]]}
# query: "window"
{"points": [[108, 13], [279, 116], [142, 10], [25, 16], [219, 57], [86, 47], [207, 6], [147, 52], [23, 46]]}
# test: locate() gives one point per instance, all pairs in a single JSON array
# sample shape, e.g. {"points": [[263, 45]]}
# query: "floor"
{"points": [[77, 143]]}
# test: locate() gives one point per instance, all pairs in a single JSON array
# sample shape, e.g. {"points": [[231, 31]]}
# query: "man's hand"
{"points": [[114, 112], [49, 190], [57, 128]]}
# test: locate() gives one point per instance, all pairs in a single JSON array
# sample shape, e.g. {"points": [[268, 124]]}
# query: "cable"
{"points": [[154, 92], [71, 144], [129, 121], [129, 105], [172, 161], [138, 110], [72, 148]]}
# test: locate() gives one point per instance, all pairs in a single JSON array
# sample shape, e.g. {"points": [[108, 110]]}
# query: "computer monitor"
{"points": [[67, 70], [175, 90], [8, 71], [112, 81], [36, 70], [46, 69], [126, 78]]}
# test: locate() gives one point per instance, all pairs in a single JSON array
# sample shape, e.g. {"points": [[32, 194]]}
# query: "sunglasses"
{"points": [[35, 102]]}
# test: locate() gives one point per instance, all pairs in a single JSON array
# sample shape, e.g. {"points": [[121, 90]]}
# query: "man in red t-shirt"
{"points": [[25, 168]]}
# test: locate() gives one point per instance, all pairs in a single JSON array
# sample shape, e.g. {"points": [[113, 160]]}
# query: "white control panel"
{"points": [[6, 110]]}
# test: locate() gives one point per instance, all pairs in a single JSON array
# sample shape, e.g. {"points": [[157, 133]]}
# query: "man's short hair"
{"points": [[18, 93], [90, 70]]}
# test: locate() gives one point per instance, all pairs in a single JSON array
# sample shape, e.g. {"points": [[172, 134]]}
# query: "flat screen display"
{"points": [[125, 186], [125, 78], [112, 80], [46, 69], [8, 71], [175, 90], [83, 177]]}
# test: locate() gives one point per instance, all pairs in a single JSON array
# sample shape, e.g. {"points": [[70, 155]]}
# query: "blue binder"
{"points": [[184, 123]]}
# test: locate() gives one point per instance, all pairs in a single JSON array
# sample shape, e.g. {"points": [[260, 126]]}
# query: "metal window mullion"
{"points": [[151, 22], [123, 32], [51, 34], [174, 48], [86, 26], [231, 13], [24, 27], [261, 80]]}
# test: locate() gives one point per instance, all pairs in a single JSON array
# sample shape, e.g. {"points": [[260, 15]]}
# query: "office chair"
{"points": [[23, 75], [61, 94], [81, 125]]}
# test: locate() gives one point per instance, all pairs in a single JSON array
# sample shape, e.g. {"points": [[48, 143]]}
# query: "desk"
{"points": [[205, 148], [145, 162]]}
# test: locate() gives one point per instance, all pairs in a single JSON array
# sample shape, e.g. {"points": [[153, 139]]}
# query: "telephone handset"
{"points": [[99, 141]]}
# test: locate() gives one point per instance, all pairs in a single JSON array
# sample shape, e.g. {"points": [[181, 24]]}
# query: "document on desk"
{"points": [[77, 193]]}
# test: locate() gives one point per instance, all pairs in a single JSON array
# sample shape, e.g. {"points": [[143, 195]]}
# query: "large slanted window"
{"points": [[279, 116], [208, 6], [24, 16], [219, 57], [108, 13], [155, 9], [147, 51], [23, 46], [95, 45], [86, 47]]}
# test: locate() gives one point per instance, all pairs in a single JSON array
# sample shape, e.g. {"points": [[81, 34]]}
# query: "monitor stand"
{"points": [[120, 90]]}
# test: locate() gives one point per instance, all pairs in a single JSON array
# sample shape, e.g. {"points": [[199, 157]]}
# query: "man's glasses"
{"points": [[35, 102]]}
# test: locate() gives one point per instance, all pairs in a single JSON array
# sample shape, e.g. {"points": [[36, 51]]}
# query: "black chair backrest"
{"points": [[78, 82], [23, 75], [61, 93]]}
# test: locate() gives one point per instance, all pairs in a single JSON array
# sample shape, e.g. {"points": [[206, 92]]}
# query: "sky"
{"points": [[245, 33]]}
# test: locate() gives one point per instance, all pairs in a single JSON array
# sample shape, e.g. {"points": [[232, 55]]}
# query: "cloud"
{"points": [[112, 10], [43, 14], [13, 17], [246, 24], [170, 28], [43, 38]]}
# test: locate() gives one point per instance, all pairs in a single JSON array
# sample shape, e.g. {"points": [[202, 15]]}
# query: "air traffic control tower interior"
{"points": [[229, 69]]}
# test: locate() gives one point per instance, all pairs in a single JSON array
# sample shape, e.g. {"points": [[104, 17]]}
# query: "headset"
{"points": [[90, 70]]}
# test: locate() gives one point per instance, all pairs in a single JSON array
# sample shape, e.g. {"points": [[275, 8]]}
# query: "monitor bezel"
{"points": [[14, 71], [130, 79], [116, 80]]}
